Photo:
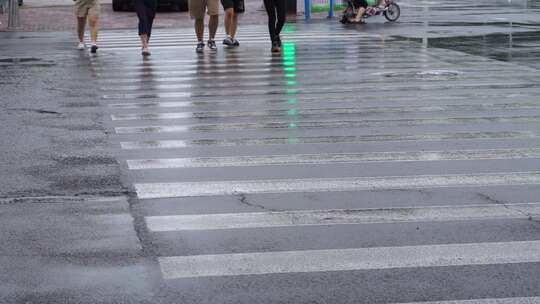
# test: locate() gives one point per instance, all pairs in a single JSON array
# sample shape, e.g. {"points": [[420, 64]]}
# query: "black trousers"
{"points": [[277, 14], [146, 11]]}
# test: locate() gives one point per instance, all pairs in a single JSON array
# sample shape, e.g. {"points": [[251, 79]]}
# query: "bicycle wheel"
{"points": [[392, 12]]}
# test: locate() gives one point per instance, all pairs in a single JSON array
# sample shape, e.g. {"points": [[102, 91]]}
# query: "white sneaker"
{"points": [[81, 46]]}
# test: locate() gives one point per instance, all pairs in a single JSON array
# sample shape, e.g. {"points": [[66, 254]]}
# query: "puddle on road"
{"points": [[425, 74], [26, 61], [520, 48]]}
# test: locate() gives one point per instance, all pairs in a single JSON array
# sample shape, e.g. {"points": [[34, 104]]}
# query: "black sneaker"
{"points": [[275, 47], [236, 42], [228, 41], [93, 49], [278, 40], [212, 45], [200, 47]]}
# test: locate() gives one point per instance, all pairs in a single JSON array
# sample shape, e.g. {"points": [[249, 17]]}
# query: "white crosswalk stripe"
{"points": [[188, 126], [209, 188], [349, 259], [176, 38], [338, 217], [270, 160]]}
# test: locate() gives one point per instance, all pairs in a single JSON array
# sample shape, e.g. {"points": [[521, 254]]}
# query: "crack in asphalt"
{"points": [[39, 111], [55, 199], [242, 198], [530, 216]]}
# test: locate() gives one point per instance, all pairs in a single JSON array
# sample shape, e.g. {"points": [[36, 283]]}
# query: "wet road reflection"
{"points": [[440, 109], [519, 48]]}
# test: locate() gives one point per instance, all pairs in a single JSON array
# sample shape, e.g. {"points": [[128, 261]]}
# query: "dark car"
{"points": [[177, 5]]}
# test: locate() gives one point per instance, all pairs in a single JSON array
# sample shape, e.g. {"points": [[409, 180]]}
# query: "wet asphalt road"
{"points": [[382, 163]]}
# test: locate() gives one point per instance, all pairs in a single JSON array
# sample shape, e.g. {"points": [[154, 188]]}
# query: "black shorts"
{"points": [[238, 5], [360, 3]]}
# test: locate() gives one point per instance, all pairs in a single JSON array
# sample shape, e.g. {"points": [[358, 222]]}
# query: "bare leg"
{"points": [[360, 14], [212, 26], [228, 20], [144, 41], [93, 22], [81, 24], [199, 29], [234, 25]]}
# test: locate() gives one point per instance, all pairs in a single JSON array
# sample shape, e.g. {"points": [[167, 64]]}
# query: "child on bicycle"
{"points": [[362, 5]]}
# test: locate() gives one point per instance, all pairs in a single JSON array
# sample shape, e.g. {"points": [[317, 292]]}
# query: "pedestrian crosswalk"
{"points": [[173, 39], [349, 259], [352, 168], [338, 217]]}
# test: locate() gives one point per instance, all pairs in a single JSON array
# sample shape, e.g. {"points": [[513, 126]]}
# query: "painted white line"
{"points": [[300, 159], [302, 121], [317, 112], [243, 38], [339, 217], [213, 188], [243, 34], [520, 300], [311, 89], [349, 259], [175, 144], [249, 62], [160, 43]]}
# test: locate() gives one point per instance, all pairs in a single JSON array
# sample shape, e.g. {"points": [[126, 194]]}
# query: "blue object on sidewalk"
{"points": [[307, 9], [3, 6], [331, 9]]}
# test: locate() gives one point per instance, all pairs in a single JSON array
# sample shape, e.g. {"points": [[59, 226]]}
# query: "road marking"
{"points": [[274, 124], [259, 263], [214, 188], [521, 300], [330, 158], [313, 89], [477, 101], [172, 144], [339, 217], [361, 111]]}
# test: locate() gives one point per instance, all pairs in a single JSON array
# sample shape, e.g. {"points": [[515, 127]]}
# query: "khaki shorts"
{"points": [[84, 8], [197, 8]]}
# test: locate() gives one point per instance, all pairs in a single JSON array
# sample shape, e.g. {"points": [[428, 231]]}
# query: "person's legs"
{"points": [[93, 18], [228, 8], [145, 12], [151, 14], [234, 25], [229, 15], [271, 11], [238, 9], [199, 29], [81, 13], [141, 10], [197, 9], [81, 25], [212, 26], [93, 22], [359, 14], [281, 7], [213, 11], [362, 5]]}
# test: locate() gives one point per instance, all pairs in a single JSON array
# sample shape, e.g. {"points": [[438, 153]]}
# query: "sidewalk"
{"points": [[57, 15], [52, 3]]}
